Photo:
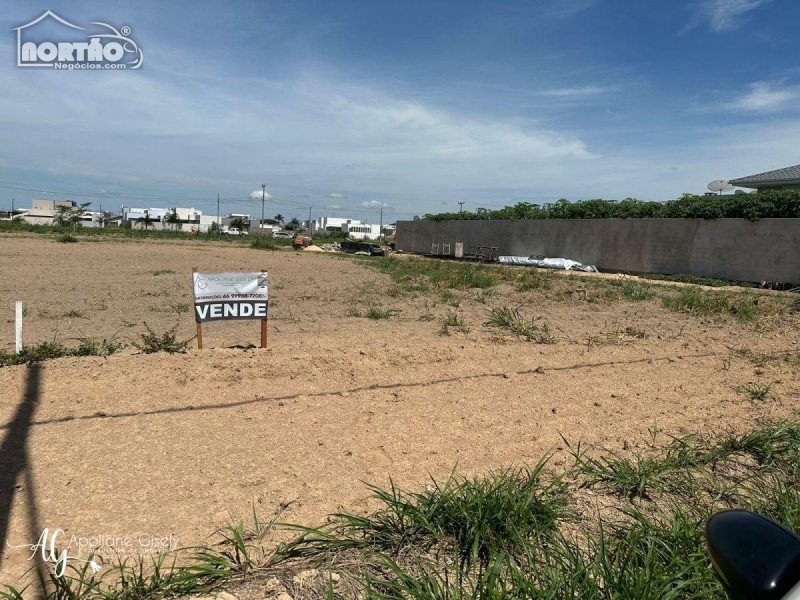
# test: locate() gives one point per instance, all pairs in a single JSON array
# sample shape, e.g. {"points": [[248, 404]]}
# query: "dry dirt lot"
{"points": [[166, 445]]}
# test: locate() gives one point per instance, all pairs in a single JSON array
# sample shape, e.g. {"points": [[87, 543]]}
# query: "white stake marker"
{"points": [[19, 327]]}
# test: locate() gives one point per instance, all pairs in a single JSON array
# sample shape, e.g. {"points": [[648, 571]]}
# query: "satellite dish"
{"points": [[720, 185]]}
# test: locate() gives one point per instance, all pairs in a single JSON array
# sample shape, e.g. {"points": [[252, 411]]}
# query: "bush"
{"points": [[151, 342], [67, 238]]}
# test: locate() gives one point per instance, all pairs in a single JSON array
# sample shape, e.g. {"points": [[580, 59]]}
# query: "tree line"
{"points": [[768, 204]]}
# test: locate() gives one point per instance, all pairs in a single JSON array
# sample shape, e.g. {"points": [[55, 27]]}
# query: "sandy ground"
{"points": [[152, 446]]}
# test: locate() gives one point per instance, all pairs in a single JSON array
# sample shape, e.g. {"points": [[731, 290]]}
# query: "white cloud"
{"points": [[374, 204], [722, 15], [564, 8], [766, 96], [364, 140], [586, 90], [336, 195], [258, 193]]}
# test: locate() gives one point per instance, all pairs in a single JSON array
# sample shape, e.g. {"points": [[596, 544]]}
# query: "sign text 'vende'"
{"points": [[230, 296]]}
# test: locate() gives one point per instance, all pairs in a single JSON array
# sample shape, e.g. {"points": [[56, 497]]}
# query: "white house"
{"points": [[189, 218], [43, 212], [353, 227]]}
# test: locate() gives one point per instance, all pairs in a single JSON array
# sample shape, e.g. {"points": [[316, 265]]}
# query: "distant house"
{"points": [[189, 219], [44, 212], [228, 220], [779, 179], [353, 228]]}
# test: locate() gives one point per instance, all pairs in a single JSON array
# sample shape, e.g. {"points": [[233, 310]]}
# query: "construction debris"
{"points": [[563, 264]]}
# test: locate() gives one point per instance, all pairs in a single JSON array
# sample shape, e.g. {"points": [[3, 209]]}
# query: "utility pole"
{"points": [[380, 227], [12, 209], [309, 220], [218, 227], [263, 198], [460, 207]]}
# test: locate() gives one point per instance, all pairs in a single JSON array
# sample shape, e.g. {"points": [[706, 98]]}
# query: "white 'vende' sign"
{"points": [[225, 296]]}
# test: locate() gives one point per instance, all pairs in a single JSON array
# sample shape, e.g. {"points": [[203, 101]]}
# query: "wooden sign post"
{"points": [[264, 327]]}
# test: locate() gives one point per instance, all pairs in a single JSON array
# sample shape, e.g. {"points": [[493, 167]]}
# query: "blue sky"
{"points": [[347, 106]]}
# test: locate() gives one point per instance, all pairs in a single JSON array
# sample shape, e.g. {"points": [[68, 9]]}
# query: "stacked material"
{"points": [[563, 264]]}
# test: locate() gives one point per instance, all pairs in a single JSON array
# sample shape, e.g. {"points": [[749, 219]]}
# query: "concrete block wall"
{"points": [[763, 250]]}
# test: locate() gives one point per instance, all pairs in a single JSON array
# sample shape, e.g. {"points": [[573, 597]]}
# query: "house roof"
{"points": [[787, 175]]}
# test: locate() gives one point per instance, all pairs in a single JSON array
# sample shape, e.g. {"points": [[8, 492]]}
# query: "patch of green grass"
{"points": [[518, 533], [757, 392], [181, 309], [448, 297], [531, 280], [763, 359], [92, 347], [151, 342], [637, 291], [472, 519], [511, 320], [378, 312], [67, 238], [488, 541], [638, 477], [73, 314], [436, 273], [50, 350], [260, 242], [452, 320], [483, 296], [745, 307]]}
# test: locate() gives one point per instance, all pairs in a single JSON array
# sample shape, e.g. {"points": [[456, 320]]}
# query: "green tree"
{"points": [[172, 218], [70, 216], [238, 223], [279, 218], [147, 219]]}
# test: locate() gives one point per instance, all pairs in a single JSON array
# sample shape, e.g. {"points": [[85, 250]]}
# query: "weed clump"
{"points": [[151, 342], [511, 320], [262, 243], [453, 320], [757, 392], [378, 312], [637, 291]]}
